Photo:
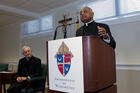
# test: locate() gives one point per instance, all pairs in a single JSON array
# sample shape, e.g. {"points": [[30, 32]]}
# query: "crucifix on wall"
{"points": [[64, 23]]}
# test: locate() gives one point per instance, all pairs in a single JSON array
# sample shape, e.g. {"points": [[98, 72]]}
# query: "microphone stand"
{"points": [[65, 32], [56, 32]]}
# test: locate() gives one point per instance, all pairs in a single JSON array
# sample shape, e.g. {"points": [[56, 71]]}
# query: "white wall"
{"points": [[38, 45], [10, 43], [1, 39], [127, 39]]}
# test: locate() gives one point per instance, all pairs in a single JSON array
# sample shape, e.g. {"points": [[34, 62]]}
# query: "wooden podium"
{"points": [[98, 65]]}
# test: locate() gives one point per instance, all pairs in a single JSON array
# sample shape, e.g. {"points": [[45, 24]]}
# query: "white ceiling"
{"points": [[15, 10]]}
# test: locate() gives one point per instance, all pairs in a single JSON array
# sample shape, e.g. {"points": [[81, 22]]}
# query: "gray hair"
{"points": [[25, 47]]}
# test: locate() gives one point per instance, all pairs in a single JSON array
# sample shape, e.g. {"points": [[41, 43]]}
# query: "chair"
{"points": [[3, 67], [42, 82]]}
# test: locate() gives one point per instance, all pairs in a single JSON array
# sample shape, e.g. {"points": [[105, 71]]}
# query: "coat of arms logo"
{"points": [[63, 59]]}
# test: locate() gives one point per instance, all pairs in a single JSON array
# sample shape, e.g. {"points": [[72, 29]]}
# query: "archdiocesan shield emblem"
{"points": [[63, 59]]}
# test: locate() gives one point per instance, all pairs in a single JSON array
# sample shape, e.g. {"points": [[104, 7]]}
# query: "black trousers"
{"points": [[17, 87]]}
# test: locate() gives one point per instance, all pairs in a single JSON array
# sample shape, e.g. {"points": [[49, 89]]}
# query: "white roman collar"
{"points": [[89, 22]]}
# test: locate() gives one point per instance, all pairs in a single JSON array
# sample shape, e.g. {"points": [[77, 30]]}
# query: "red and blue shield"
{"points": [[64, 63]]}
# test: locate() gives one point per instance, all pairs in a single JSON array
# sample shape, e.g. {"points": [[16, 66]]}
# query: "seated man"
{"points": [[93, 28], [28, 67]]}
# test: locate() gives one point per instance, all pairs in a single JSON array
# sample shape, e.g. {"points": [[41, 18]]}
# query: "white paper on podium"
{"points": [[73, 81]]}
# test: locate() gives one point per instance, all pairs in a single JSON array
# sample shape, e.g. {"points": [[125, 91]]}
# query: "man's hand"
{"points": [[20, 79], [102, 32]]}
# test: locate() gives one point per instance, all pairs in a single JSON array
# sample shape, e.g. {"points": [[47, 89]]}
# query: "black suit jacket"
{"points": [[31, 67], [92, 29]]}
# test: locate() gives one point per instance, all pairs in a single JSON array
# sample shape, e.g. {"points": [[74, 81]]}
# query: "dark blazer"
{"points": [[31, 67], [92, 29]]}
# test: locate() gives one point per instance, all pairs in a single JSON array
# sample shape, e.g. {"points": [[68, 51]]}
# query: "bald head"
{"points": [[86, 14], [26, 50]]}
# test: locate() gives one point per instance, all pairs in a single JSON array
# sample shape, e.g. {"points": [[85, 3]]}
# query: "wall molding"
{"points": [[128, 66]]}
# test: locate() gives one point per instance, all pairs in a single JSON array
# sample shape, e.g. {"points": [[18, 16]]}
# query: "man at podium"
{"points": [[93, 28]]}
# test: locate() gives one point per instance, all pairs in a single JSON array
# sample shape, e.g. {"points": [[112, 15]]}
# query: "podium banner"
{"points": [[65, 61]]}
